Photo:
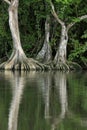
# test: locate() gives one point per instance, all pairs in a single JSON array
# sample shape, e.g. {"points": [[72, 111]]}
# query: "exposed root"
{"points": [[24, 64], [68, 66], [62, 66]]}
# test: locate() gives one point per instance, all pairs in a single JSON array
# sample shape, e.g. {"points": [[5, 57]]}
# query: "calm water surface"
{"points": [[43, 101]]}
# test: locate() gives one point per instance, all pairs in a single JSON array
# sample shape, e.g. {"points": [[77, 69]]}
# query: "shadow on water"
{"points": [[41, 101]]}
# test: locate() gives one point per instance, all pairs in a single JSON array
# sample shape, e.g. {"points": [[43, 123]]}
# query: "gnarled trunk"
{"points": [[60, 57], [18, 53], [45, 53], [61, 53]]}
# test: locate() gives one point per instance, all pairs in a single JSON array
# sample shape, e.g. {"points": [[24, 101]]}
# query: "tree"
{"points": [[60, 59], [45, 54], [18, 59]]}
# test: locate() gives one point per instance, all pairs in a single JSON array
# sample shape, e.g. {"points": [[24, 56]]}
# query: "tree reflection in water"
{"points": [[60, 85], [59, 80], [44, 87], [44, 82], [61, 89], [17, 90]]}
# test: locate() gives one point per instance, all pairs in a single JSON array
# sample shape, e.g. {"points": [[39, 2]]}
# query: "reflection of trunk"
{"points": [[47, 97], [46, 93], [61, 52], [61, 88], [45, 54], [44, 88], [60, 80], [17, 94]]}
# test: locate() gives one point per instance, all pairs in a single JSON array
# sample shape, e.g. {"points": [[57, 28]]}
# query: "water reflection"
{"points": [[59, 82], [47, 83], [47, 100], [44, 87], [17, 90], [61, 89], [18, 81]]}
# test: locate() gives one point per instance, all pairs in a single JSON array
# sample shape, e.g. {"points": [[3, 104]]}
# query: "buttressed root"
{"points": [[68, 66], [31, 64], [62, 66], [26, 64]]}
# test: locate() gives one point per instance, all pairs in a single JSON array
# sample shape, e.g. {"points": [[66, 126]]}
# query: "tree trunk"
{"points": [[18, 59], [60, 57], [45, 54], [61, 53], [18, 52]]}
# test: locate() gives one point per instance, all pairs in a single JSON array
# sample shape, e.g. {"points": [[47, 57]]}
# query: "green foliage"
{"points": [[68, 1], [5, 35], [76, 20], [84, 35], [64, 1], [77, 93], [32, 15], [78, 53]]}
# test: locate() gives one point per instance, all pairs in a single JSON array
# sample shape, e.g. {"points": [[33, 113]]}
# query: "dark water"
{"points": [[43, 101]]}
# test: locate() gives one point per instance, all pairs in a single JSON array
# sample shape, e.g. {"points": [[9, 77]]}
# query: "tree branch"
{"points": [[7, 1], [55, 14], [73, 23]]}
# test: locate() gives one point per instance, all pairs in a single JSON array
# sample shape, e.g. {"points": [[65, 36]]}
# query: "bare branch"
{"points": [[7, 1], [55, 14], [73, 23]]}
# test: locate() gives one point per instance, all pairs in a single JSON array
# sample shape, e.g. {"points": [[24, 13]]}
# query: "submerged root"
{"points": [[24, 64]]}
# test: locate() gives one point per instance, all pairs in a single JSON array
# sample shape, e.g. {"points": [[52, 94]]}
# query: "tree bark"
{"points": [[61, 53], [13, 23], [18, 54], [45, 53], [60, 57]]}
